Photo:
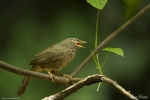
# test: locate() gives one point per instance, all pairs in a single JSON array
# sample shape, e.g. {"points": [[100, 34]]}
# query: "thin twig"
{"points": [[110, 37], [64, 93], [85, 82], [118, 87]]}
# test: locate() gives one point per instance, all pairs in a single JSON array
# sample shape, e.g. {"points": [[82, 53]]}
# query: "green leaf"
{"points": [[117, 51], [99, 4]]}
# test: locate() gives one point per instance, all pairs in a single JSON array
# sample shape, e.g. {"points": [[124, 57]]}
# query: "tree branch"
{"points": [[118, 87], [63, 80], [24, 72], [85, 82], [110, 37]]}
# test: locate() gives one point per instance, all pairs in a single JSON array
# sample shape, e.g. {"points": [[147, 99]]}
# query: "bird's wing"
{"points": [[51, 54]]}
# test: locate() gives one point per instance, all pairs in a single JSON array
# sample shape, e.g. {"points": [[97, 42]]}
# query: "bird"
{"points": [[53, 59]]}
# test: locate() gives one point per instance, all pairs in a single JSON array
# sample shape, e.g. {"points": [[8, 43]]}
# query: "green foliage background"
{"points": [[28, 27]]}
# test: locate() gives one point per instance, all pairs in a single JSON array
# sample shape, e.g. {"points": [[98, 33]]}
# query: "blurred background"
{"points": [[30, 26]]}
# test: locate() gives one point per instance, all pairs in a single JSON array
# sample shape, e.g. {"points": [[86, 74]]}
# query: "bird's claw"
{"points": [[52, 77], [67, 76]]}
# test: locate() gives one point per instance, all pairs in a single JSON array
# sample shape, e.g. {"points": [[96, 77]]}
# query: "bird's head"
{"points": [[78, 42], [74, 43]]}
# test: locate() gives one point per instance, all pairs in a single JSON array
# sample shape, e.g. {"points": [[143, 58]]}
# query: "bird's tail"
{"points": [[26, 80], [23, 85]]}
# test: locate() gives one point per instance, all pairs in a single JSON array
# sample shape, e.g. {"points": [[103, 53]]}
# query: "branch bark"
{"points": [[85, 82], [24, 72], [80, 82]]}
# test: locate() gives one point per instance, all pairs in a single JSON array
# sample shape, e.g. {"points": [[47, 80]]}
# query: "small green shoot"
{"points": [[99, 4]]}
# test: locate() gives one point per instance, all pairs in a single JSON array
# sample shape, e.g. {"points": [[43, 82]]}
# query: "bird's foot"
{"points": [[52, 77], [70, 78], [67, 76]]}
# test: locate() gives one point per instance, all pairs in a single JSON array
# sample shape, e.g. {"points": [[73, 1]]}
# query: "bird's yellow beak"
{"points": [[79, 44]]}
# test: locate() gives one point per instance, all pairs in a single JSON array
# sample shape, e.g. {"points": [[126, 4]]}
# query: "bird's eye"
{"points": [[76, 40]]}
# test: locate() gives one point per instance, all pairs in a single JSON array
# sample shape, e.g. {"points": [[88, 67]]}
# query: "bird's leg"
{"points": [[67, 76], [52, 77], [63, 75]]}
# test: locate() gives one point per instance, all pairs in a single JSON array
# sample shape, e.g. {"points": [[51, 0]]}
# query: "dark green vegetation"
{"points": [[28, 27]]}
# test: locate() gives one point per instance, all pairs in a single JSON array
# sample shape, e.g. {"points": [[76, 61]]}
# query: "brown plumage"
{"points": [[53, 59]]}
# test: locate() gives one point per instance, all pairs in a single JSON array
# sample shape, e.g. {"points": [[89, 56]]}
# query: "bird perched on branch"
{"points": [[53, 59]]}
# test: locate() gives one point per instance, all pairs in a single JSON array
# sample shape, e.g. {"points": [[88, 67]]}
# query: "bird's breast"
{"points": [[67, 58], [60, 62]]}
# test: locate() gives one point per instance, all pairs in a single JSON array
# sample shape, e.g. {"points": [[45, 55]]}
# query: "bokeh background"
{"points": [[30, 26]]}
